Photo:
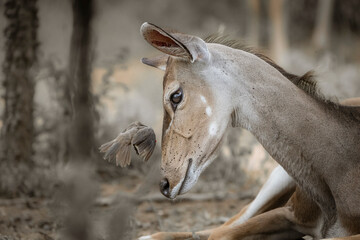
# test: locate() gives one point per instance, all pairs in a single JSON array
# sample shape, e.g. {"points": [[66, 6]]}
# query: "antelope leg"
{"points": [[275, 193], [354, 237], [202, 235], [291, 221], [275, 224]]}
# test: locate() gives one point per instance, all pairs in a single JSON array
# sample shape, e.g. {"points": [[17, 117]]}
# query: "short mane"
{"points": [[306, 82]]}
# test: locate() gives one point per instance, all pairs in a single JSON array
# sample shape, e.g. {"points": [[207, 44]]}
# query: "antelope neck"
{"points": [[301, 133]]}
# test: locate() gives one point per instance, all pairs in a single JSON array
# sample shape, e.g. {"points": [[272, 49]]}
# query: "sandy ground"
{"points": [[35, 218]]}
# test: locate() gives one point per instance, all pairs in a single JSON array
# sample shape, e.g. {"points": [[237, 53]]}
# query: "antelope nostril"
{"points": [[165, 187]]}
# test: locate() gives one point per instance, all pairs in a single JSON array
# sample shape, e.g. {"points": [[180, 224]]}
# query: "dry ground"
{"points": [[35, 218]]}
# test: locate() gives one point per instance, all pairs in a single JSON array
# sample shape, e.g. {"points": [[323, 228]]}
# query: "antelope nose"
{"points": [[165, 187]]}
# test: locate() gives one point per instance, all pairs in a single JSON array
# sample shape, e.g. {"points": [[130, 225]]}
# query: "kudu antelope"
{"points": [[209, 85]]}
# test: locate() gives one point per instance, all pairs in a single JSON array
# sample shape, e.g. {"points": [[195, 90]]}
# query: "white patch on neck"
{"points": [[208, 111], [203, 99], [145, 238], [213, 128], [278, 181]]}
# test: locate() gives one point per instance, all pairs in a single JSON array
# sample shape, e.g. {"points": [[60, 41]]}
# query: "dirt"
{"points": [[185, 216], [35, 218], [26, 219]]}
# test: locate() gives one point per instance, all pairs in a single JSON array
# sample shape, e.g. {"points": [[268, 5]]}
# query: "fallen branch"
{"points": [[157, 197]]}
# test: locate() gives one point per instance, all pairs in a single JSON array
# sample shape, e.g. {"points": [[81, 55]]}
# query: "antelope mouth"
{"points": [[186, 176], [190, 179], [178, 189]]}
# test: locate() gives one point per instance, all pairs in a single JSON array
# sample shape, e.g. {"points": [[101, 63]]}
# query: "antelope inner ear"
{"points": [[164, 41], [175, 44], [158, 62]]}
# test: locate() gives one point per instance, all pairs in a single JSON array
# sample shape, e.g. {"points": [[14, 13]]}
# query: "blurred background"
{"points": [[72, 79]]}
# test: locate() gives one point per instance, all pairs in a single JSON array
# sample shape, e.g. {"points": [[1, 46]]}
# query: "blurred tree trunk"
{"points": [[254, 31], [77, 225], [278, 37], [323, 24], [17, 134], [79, 81]]}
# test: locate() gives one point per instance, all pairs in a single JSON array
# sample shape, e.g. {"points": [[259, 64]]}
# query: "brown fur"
{"points": [[305, 209], [310, 149], [306, 82]]}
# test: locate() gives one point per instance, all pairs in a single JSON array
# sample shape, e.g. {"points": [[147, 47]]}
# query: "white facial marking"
{"points": [[213, 128], [208, 111], [169, 126], [193, 175], [278, 181], [175, 190], [203, 99]]}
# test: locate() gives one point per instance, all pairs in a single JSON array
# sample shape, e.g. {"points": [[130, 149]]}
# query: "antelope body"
{"points": [[207, 87]]}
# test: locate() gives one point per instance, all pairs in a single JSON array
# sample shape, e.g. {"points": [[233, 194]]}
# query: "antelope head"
{"points": [[196, 111]]}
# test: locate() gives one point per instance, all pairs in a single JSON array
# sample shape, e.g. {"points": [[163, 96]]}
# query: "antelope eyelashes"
{"points": [[176, 98]]}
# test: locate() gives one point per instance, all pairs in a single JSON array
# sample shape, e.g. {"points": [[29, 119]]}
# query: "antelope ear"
{"points": [[175, 44], [159, 62]]}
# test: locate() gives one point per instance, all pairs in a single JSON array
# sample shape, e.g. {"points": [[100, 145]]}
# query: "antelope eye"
{"points": [[176, 98]]}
